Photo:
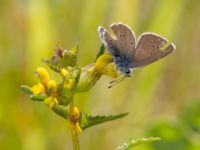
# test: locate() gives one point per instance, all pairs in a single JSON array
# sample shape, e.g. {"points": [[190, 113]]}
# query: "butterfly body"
{"points": [[123, 62], [128, 53]]}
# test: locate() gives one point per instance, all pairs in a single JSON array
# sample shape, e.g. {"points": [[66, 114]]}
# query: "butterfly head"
{"points": [[126, 71]]}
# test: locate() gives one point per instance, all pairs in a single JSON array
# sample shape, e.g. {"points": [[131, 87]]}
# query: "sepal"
{"points": [[27, 90], [39, 97]]}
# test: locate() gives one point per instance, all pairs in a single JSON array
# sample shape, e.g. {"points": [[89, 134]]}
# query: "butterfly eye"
{"points": [[127, 71]]}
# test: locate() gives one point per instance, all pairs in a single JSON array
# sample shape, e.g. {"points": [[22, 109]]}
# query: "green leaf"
{"points": [[62, 111], [101, 51], [39, 97], [26, 89], [133, 143], [88, 121]]}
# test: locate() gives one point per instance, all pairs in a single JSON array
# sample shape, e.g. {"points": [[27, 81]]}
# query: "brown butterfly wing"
{"points": [[125, 39], [108, 41], [105, 37], [150, 48]]}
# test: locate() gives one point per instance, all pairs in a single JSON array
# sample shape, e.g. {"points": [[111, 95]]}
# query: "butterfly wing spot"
{"points": [[124, 36], [154, 47]]}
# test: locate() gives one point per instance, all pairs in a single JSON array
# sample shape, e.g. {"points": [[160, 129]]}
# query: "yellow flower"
{"points": [[75, 115], [68, 78], [103, 61], [74, 111], [69, 84], [38, 89], [43, 75], [51, 101], [76, 128], [52, 86], [111, 70]]}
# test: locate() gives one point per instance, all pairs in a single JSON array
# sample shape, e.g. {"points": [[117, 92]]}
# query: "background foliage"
{"points": [[163, 98]]}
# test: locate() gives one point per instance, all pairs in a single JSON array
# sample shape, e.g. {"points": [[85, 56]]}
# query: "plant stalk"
{"points": [[75, 140]]}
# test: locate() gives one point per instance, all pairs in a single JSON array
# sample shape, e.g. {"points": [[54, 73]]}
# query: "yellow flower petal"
{"points": [[76, 128], [103, 61], [37, 89], [111, 70], [48, 100], [51, 101]]}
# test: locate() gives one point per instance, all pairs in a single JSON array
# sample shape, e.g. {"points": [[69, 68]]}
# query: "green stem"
{"points": [[75, 140]]}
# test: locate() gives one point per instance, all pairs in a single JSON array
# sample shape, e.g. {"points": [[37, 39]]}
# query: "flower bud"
{"points": [[75, 113], [65, 73], [70, 57], [52, 86], [43, 75]]}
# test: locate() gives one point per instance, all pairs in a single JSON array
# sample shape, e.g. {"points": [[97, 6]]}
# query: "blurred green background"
{"points": [[163, 99]]}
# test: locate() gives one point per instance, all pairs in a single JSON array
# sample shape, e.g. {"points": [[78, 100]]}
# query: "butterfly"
{"points": [[129, 53]]}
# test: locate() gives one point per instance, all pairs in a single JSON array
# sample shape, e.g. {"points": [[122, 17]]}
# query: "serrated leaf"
{"points": [[27, 90], [39, 97], [133, 143], [101, 51], [88, 121]]}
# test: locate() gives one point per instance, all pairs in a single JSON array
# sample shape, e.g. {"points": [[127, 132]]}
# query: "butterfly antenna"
{"points": [[116, 81], [119, 78]]}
